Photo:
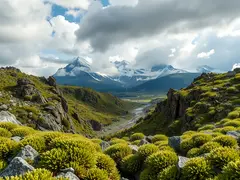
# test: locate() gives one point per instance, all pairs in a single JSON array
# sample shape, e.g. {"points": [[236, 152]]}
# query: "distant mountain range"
{"points": [[157, 78]]}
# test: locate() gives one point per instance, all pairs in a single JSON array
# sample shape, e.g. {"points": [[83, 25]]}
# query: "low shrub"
{"points": [[226, 129], [7, 148], [5, 133], [118, 141], [159, 137], [131, 164], [206, 127], [222, 156], [233, 115], [3, 165], [137, 136], [197, 169], [118, 151], [161, 160], [233, 123], [194, 152], [22, 131], [208, 147], [169, 173], [37, 142], [148, 174], [137, 142], [231, 171], [96, 174], [7, 125], [147, 150], [225, 140]]}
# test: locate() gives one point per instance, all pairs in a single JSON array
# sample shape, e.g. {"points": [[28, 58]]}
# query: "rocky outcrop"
{"points": [[68, 173], [134, 148], [96, 126], [17, 166], [104, 145], [174, 142], [6, 116], [25, 88], [28, 153], [182, 161]]}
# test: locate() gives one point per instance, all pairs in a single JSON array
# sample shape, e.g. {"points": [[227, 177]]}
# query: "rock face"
{"points": [[6, 116], [174, 142], [17, 166], [134, 148], [235, 134], [26, 88], [96, 126], [28, 153]]}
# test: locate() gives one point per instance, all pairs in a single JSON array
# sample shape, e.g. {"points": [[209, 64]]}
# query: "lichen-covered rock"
{"points": [[16, 138], [182, 161], [6, 116], [143, 141], [174, 142], [235, 134], [28, 153], [68, 173], [17, 166], [104, 145], [134, 148], [3, 107]]}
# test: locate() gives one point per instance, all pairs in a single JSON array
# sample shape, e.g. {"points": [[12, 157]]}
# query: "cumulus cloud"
{"points": [[206, 55], [82, 4], [123, 2], [105, 27]]}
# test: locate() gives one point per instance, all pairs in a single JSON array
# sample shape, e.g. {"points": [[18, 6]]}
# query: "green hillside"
{"points": [[212, 100], [38, 102]]}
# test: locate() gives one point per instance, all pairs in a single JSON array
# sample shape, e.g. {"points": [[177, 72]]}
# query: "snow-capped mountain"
{"points": [[207, 69], [130, 76], [235, 66], [79, 73]]}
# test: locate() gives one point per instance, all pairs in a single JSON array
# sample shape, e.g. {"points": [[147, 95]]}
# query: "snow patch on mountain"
{"points": [[235, 66]]}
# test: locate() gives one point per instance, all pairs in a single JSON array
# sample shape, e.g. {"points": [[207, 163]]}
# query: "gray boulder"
{"points": [[6, 116], [174, 142], [68, 173], [149, 138], [104, 145], [17, 166], [134, 148], [143, 141], [28, 153], [4, 107], [16, 138], [182, 161], [234, 134]]}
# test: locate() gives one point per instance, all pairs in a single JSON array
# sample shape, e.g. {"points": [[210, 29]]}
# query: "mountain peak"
{"points": [[80, 62], [205, 69], [235, 66]]}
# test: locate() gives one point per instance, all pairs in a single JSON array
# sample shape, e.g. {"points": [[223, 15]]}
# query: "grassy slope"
{"points": [[89, 104], [219, 100]]}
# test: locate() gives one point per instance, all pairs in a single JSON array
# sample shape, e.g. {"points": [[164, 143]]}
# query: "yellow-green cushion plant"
{"points": [[118, 151], [222, 156], [161, 160], [226, 129], [98, 141], [195, 141], [137, 136], [7, 147], [131, 164], [147, 150], [5, 133], [169, 173], [3, 164], [165, 148], [159, 137], [137, 142], [22, 131], [79, 171], [106, 163], [7, 125], [194, 152], [37, 174], [206, 127], [118, 141], [49, 136], [148, 174], [37, 142], [54, 160], [161, 143], [196, 169], [208, 147], [231, 171], [96, 174], [225, 140], [234, 123]]}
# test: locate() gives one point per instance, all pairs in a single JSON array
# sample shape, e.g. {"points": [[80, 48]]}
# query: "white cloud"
{"points": [[82, 4], [123, 2], [74, 13], [206, 55]]}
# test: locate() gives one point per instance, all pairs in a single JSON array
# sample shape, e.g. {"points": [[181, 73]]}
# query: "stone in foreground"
{"points": [[28, 153], [17, 167]]}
